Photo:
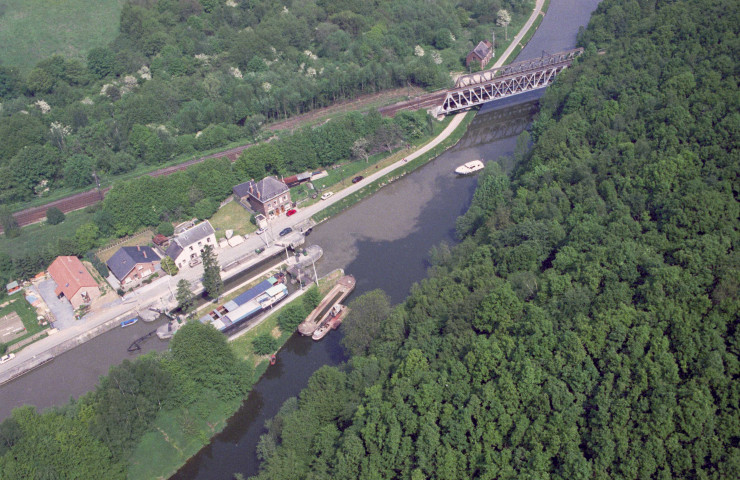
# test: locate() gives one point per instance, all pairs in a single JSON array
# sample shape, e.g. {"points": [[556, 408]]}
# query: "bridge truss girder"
{"points": [[501, 87], [517, 67]]}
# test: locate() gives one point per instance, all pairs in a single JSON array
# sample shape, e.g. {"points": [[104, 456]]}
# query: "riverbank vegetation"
{"points": [[586, 326], [195, 385]]}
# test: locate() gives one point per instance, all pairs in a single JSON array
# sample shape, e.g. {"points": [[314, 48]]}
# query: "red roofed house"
{"points": [[73, 281], [480, 55]]}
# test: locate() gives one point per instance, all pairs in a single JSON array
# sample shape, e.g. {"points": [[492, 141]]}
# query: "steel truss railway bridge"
{"points": [[520, 77]]}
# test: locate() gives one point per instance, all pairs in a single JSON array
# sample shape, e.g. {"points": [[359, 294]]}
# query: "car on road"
{"points": [[358, 178], [261, 231], [7, 358], [285, 231], [308, 232], [326, 195], [290, 212]]}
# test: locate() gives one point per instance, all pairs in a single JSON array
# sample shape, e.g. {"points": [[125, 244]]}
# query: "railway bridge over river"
{"points": [[481, 87]]}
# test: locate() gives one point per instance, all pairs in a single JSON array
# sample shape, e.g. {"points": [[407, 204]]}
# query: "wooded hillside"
{"points": [[587, 326]]}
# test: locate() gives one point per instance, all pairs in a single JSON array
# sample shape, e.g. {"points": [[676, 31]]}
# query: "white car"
{"points": [[7, 358], [261, 231], [326, 195]]}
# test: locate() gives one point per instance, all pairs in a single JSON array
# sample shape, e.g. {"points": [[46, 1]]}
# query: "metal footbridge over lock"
{"points": [[520, 77]]}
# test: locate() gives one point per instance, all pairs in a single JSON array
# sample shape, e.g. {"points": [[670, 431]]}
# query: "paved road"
{"points": [[161, 291]]}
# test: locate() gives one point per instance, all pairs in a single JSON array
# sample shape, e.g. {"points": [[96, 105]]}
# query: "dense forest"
{"points": [[587, 324], [187, 76]]}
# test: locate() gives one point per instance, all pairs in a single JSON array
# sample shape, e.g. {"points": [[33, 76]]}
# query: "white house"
{"points": [[186, 248]]}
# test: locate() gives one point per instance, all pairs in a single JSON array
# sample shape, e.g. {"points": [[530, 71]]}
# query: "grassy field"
{"points": [[31, 30], [27, 314], [231, 216], [36, 237], [178, 435]]}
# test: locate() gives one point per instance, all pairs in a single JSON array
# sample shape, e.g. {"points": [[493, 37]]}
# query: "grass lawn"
{"points": [[31, 30], [242, 346], [231, 216], [177, 436], [142, 238], [27, 314], [38, 236]]}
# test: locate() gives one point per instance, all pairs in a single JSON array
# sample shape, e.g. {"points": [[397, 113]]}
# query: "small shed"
{"points": [[13, 287], [480, 55]]}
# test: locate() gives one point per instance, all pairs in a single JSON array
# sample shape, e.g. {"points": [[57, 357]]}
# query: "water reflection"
{"points": [[500, 124]]}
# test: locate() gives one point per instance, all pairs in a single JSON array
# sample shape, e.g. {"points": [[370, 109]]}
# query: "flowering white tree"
{"points": [[503, 20], [58, 132]]}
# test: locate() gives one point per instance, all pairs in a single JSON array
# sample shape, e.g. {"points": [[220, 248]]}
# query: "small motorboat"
{"points": [[470, 167], [129, 322]]}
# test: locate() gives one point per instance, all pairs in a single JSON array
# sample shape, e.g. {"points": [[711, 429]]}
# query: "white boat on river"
{"points": [[469, 167]]}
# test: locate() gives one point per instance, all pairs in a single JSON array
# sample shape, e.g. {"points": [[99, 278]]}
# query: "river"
{"points": [[383, 241]]}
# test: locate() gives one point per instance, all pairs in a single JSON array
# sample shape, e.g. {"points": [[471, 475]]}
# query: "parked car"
{"points": [[261, 231], [358, 178], [285, 231], [326, 195], [308, 232], [290, 212], [7, 358]]}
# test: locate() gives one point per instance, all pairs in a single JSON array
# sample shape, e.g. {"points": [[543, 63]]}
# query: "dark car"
{"points": [[308, 232], [285, 231], [357, 178]]}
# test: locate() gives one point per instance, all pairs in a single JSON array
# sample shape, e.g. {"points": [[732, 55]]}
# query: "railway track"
{"points": [[79, 201]]}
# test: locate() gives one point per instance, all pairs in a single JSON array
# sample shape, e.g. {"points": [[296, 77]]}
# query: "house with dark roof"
{"points": [[133, 264], [480, 55], [73, 281], [269, 196], [186, 248]]}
